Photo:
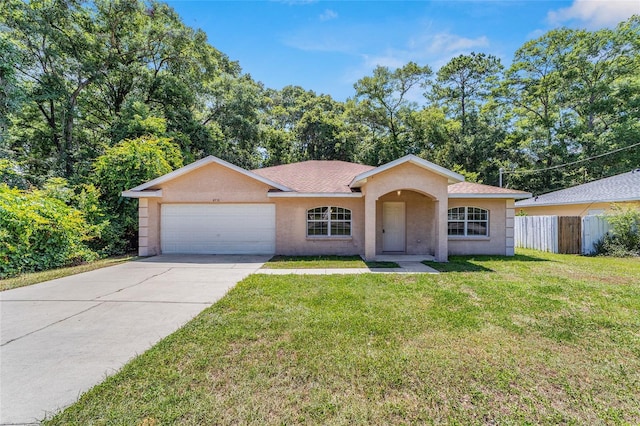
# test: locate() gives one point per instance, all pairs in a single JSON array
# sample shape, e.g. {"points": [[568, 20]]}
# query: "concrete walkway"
{"points": [[405, 268], [60, 338]]}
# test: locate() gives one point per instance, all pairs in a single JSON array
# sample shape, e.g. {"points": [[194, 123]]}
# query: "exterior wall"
{"points": [[500, 239], [424, 193], [291, 227], [406, 177], [419, 222], [212, 183], [572, 209]]}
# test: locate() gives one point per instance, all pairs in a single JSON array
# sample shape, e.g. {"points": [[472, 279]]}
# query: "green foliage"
{"points": [[124, 166], [10, 175], [624, 238], [384, 107], [39, 232]]}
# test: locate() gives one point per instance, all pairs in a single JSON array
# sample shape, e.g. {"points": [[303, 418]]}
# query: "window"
{"points": [[329, 222], [468, 221]]}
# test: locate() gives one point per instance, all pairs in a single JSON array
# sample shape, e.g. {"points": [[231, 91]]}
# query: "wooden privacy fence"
{"points": [[536, 232], [559, 234]]}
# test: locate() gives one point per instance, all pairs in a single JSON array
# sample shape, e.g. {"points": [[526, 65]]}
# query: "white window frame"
{"points": [[327, 217], [466, 220]]}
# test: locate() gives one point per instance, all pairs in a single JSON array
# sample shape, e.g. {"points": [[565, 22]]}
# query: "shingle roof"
{"points": [[315, 176], [622, 187], [318, 176], [471, 188]]}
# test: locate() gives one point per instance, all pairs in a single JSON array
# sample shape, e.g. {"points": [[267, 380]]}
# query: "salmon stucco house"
{"points": [[408, 206]]}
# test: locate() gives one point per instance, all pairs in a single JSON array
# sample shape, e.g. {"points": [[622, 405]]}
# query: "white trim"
{"points": [[514, 196], [564, 203], [466, 221], [142, 194], [452, 177], [329, 221], [203, 162], [314, 194]]}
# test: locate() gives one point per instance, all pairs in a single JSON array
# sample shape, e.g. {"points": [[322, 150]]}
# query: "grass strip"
{"points": [[38, 277]]}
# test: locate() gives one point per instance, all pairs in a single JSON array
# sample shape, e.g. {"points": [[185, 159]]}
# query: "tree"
{"points": [[576, 96], [128, 164], [383, 106], [532, 85], [305, 126], [65, 51], [465, 83]]}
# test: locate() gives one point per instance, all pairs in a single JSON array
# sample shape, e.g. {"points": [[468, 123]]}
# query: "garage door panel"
{"points": [[218, 228]]}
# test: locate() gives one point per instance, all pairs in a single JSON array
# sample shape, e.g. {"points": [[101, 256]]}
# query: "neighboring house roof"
{"points": [[622, 187], [477, 190], [452, 177], [315, 176]]}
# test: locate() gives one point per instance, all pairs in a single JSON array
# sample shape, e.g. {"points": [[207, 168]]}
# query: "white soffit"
{"points": [[314, 194]]}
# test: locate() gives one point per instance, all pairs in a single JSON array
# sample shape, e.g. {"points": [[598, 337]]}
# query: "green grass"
{"points": [[537, 339], [38, 277], [323, 262]]}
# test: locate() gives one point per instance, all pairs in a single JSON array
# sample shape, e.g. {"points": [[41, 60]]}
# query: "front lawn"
{"points": [[539, 339]]}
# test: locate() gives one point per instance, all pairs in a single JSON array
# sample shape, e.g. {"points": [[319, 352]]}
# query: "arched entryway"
{"points": [[406, 223]]}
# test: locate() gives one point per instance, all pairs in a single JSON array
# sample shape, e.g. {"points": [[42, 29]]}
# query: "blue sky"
{"points": [[326, 46]]}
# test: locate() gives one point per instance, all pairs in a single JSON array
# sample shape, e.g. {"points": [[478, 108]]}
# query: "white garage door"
{"points": [[218, 228]]}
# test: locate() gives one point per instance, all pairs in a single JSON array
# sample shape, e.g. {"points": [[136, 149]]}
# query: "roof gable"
{"points": [[201, 163], [618, 188], [452, 177]]}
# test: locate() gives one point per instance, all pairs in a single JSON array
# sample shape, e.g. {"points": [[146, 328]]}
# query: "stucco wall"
{"points": [[420, 222], [291, 227], [212, 183], [572, 209], [496, 242], [407, 177]]}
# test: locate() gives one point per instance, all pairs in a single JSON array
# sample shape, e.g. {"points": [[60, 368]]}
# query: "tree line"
{"points": [[89, 86]]}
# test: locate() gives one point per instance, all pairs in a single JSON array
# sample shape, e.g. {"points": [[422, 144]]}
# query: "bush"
{"points": [[624, 238], [126, 165], [39, 232]]}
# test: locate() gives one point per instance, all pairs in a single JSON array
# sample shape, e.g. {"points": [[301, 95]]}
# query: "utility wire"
{"points": [[569, 164]]}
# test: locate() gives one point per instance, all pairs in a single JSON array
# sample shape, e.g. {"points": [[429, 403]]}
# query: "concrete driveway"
{"points": [[61, 337]]}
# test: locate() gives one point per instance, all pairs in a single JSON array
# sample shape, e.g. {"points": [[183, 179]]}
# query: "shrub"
{"points": [[623, 240], [39, 232], [126, 165]]}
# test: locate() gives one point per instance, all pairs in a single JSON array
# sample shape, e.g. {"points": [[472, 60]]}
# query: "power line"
{"points": [[572, 163], [502, 171]]}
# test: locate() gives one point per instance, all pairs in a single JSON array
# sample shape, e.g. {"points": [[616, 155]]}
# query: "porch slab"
{"points": [[403, 258]]}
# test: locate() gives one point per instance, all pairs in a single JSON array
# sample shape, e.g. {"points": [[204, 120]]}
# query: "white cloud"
{"points": [[446, 43], [328, 15], [595, 13], [432, 49]]}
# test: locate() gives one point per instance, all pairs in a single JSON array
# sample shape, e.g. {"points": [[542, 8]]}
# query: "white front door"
{"points": [[393, 226]]}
